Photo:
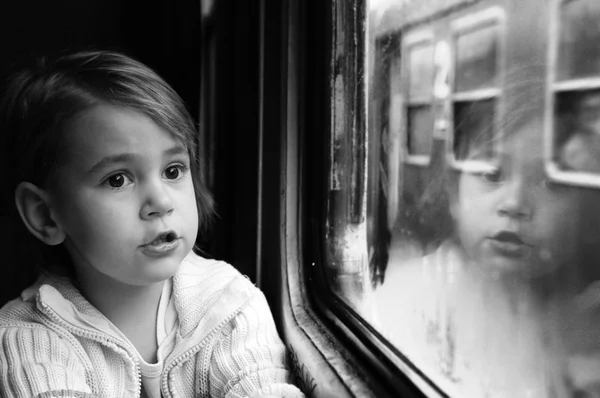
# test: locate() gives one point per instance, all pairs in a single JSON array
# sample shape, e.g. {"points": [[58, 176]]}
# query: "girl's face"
{"points": [[125, 197], [512, 221]]}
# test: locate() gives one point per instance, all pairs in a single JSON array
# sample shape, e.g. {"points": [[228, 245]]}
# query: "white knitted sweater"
{"points": [[56, 344]]}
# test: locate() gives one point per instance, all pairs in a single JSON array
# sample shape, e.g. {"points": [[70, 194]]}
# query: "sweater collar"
{"points": [[206, 293]]}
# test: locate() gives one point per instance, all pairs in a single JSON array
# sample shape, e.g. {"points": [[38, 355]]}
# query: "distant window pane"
{"points": [[421, 70], [579, 51], [476, 58], [577, 138], [420, 127], [473, 129]]}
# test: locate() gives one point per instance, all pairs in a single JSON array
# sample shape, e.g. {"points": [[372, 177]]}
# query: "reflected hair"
{"points": [[41, 100]]}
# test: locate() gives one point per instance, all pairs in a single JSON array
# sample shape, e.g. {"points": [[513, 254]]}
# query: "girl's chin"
{"points": [[523, 269]]}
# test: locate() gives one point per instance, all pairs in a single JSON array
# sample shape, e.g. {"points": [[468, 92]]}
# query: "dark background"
{"points": [[211, 55]]}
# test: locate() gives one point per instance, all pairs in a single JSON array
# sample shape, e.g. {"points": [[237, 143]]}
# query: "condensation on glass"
{"points": [[479, 266]]}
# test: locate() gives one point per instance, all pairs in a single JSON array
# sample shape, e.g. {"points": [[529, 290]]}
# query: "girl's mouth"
{"points": [[164, 243], [509, 244], [165, 237]]}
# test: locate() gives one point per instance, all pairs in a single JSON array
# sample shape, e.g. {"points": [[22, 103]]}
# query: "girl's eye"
{"points": [[492, 176], [175, 172], [118, 180]]}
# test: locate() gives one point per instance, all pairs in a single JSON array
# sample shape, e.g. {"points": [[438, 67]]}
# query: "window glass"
{"points": [[419, 121], [420, 126], [577, 111], [483, 279], [579, 53], [421, 70], [476, 58], [577, 124], [473, 128]]}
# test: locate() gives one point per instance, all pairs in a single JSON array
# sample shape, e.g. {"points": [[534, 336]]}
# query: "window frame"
{"points": [[321, 348], [553, 88], [363, 360], [339, 345], [328, 321]]}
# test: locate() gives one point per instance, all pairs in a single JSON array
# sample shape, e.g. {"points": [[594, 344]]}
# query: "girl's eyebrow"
{"points": [[127, 157], [108, 160], [176, 150]]}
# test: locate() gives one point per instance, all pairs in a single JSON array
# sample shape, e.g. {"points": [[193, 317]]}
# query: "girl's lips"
{"points": [[167, 236], [160, 248], [509, 244], [162, 244]]}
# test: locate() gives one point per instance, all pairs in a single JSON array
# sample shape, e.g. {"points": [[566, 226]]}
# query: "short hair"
{"points": [[41, 101]]}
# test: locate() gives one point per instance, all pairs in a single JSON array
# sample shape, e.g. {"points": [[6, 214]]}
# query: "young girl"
{"points": [[504, 307], [105, 174]]}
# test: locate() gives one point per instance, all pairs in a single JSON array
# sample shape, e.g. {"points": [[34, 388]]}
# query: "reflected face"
{"points": [[510, 219], [125, 198]]}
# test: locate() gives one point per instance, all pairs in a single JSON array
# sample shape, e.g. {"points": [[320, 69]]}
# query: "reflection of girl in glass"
{"points": [[493, 311]]}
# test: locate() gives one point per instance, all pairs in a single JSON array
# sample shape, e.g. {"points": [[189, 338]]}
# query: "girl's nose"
{"points": [[158, 202], [515, 201]]}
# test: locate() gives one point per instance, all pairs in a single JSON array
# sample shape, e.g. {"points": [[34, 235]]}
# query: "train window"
{"points": [[476, 58], [419, 82], [474, 122], [579, 24], [575, 94], [476, 89], [419, 116], [420, 71], [475, 275]]}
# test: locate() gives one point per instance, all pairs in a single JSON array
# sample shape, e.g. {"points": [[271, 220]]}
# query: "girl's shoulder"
{"points": [[21, 317], [49, 291], [18, 312], [208, 291], [209, 276]]}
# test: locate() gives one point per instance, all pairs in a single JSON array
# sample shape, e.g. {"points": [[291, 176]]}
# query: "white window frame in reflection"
{"points": [[413, 39], [553, 88], [490, 16]]}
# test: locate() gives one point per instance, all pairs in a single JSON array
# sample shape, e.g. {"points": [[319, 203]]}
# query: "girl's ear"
{"points": [[35, 211]]}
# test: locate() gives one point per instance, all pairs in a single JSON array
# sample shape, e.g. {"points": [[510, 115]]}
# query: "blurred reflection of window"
{"points": [[577, 124], [579, 52], [421, 70], [476, 85], [474, 128], [419, 124], [476, 58], [576, 137]]}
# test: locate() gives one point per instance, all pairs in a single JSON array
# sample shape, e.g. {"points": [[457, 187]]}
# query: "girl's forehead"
{"points": [[527, 137], [107, 130]]}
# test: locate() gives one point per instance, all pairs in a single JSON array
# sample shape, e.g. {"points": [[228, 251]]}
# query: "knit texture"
{"points": [[56, 344]]}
